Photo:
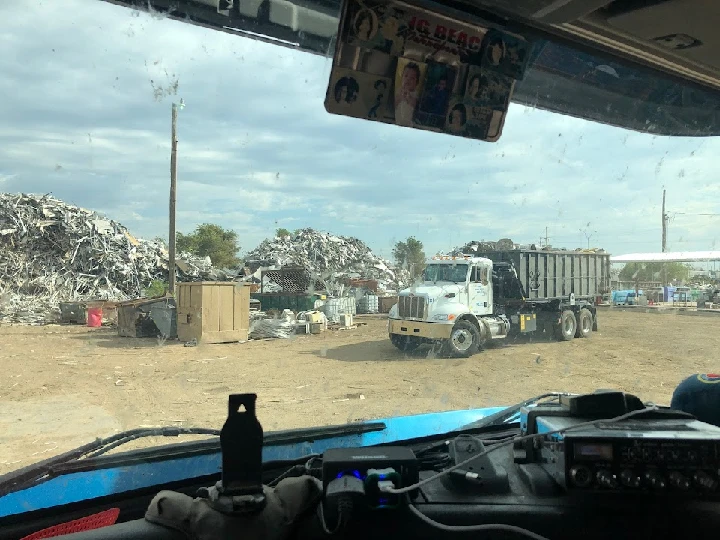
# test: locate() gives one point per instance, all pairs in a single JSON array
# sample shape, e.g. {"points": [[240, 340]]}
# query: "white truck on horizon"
{"points": [[462, 302]]}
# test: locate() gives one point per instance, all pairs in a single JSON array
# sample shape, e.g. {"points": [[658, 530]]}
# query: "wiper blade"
{"points": [[32, 474], [502, 417], [58, 465]]}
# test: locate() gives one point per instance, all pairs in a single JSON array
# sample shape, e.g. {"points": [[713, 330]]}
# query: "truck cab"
{"points": [[451, 303]]}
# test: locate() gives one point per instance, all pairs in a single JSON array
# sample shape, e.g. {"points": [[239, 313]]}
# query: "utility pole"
{"points": [[664, 225], [664, 238], [173, 193], [544, 241]]}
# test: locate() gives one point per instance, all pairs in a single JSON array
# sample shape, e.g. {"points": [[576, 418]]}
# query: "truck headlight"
{"points": [[443, 317]]}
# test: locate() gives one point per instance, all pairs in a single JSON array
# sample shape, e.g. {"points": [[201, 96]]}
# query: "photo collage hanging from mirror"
{"points": [[401, 64]]}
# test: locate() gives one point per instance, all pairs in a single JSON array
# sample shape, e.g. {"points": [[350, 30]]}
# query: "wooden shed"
{"points": [[213, 311]]}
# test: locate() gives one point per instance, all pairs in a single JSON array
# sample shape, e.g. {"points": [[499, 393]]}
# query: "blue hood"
{"points": [[86, 485]]}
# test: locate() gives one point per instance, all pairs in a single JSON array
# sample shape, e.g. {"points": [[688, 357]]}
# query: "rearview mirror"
{"points": [[409, 65]]}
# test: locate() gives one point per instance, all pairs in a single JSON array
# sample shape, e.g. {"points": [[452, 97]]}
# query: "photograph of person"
{"points": [[408, 79], [346, 92], [457, 119]]}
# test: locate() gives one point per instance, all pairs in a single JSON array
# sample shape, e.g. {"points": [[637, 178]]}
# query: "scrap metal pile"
{"points": [[328, 258], [264, 327], [506, 244], [52, 252]]}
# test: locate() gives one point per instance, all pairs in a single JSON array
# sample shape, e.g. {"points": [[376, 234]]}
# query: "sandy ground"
{"points": [[61, 386]]}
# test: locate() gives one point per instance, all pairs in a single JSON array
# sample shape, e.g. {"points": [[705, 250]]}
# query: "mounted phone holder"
{"points": [[240, 491]]}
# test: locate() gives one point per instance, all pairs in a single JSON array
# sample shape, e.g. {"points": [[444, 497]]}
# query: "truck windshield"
{"points": [[457, 273]]}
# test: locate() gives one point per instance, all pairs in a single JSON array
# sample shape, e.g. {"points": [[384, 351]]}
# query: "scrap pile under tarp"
{"points": [[330, 259], [52, 252]]}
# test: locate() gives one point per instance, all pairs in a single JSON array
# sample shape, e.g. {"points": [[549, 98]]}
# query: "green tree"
{"points": [[282, 233], [157, 287], [674, 271], [209, 240], [411, 255]]}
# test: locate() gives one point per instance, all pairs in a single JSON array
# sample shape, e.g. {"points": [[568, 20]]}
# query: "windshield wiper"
{"points": [[32, 474], [58, 465], [507, 414]]}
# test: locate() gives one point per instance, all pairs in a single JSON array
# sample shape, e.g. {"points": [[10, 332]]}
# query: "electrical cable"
{"points": [[474, 528], [511, 441], [299, 469], [497, 526], [295, 470], [342, 492]]}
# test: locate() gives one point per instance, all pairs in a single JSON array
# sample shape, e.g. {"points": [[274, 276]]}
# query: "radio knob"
{"points": [[679, 481], [655, 480], [580, 476], [705, 481], [606, 479], [630, 479]]}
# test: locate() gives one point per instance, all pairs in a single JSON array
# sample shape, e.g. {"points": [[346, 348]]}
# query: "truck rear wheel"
{"points": [[405, 343], [464, 340], [584, 324], [565, 331]]}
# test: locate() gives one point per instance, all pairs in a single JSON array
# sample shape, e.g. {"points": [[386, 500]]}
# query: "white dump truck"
{"points": [[464, 302]]}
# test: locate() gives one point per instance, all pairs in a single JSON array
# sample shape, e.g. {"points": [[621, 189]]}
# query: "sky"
{"points": [[87, 89]]}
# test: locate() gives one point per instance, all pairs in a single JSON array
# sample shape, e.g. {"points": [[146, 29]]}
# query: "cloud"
{"points": [[86, 116]]}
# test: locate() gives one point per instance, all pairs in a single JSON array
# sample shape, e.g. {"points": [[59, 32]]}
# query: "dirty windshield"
{"points": [[182, 219], [456, 273]]}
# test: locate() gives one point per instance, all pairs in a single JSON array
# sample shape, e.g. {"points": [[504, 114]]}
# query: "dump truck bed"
{"points": [[557, 274]]}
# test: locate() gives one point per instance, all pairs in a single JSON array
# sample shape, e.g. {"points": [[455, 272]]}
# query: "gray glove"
{"points": [[198, 520]]}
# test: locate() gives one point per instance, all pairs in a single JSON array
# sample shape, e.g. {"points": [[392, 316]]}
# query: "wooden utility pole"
{"points": [[664, 225], [173, 188], [664, 239]]}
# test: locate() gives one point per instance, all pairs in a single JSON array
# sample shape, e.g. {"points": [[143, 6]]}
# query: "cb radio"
{"points": [[662, 450]]}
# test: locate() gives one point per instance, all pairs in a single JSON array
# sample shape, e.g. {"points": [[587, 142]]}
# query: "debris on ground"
{"points": [[330, 259], [264, 327]]}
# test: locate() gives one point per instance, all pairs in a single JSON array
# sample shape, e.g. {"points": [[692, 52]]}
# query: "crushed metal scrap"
{"points": [[52, 252], [331, 260], [506, 244], [264, 327]]}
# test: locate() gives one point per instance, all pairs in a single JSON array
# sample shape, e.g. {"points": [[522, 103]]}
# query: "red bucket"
{"points": [[94, 317]]}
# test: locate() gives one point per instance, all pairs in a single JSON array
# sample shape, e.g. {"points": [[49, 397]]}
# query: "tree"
{"points": [[157, 287], [674, 271], [209, 240], [282, 233], [410, 254]]}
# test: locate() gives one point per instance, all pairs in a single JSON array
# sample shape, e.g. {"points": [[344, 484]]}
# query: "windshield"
{"points": [[301, 236], [456, 273]]}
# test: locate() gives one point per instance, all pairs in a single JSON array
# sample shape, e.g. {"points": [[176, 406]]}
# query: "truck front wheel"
{"points": [[565, 331], [464, 340]]}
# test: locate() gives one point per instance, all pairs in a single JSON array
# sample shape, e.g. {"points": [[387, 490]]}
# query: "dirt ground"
{"points": [[62, 386]]}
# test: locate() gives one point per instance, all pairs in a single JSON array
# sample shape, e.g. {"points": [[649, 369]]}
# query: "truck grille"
{"points": [[411, 307]]}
